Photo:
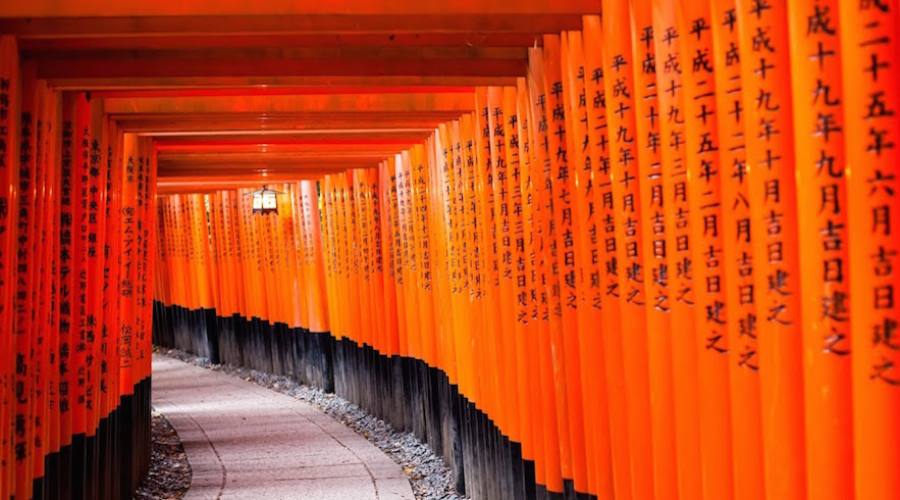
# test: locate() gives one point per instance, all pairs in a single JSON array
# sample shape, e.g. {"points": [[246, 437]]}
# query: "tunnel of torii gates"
{"points": [[634, 249]]}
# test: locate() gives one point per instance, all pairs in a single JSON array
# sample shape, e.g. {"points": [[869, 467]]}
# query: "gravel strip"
{"points": [[169, 476], [429, 476]]}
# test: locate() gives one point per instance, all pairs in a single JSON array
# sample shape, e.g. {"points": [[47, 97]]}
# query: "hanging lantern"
{"points": [[265, 201]]}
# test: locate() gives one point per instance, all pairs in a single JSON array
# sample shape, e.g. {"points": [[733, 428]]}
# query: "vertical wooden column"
{"points": [[765, 75], [604, 205], [488, 329], [871, 77], [329, 250], [824, 273], [584, 166], [112, 315], [656, 241], [565, 255], [392, 214], [9, 144], [376, 271], [24, 275], [445, 254], [149, 251], [541, 175], [674, 121], [502, 273], [742, 323], [388, 259], [95, 251], [127, 302], [49, 313], [44, 352], [704, 181], [527, 298], [517, 148], [620, 68]]}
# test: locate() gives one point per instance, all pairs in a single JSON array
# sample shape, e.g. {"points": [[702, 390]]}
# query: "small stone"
{"points": [[169, 476]]}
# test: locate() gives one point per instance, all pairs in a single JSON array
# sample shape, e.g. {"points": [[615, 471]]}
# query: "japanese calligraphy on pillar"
{"points": [[113, 183], [66, 260], [704, 171], [671, 70], [870, 50], [363, 245], [128, 242], [517, 151], [556, 457], [49, 312], [96, 181], [740, 294], [83, 346], [824, 274], [649, 152], [512, 279], [619, 79], [588, 262], [8, 143], [396, 245], [765, 76], [656, 272], [26, 227], [410, 261], [329, 251], [604, 206], [458, 256], [670, 142], [421, 224], [471, 244], [9, 119], [557, 62]]}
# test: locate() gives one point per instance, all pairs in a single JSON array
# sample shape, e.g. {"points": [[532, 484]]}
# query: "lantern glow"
{"points": [[265, 201]]}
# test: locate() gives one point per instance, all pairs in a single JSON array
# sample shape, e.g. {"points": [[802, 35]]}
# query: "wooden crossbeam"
{"points": [[63, 19], [335, 137], [249, 144], [454, 101], [202, 184], [37, 44], [62, 67], [214, 157], [330, 89], [276, 52], [195, 82], [292, 122], [214, 163]]}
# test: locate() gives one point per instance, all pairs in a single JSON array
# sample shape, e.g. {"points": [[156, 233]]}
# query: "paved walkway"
{"points": [[247, 442]]}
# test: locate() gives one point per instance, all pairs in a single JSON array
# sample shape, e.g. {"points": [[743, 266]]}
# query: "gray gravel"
{"points": [[169, 476], [429, 476]]}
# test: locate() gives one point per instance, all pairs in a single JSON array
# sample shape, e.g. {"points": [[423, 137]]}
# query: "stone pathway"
{"points": [[247, 442]]}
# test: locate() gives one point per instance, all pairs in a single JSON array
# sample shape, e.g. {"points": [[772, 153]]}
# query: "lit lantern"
{"points": [[265, 201]]}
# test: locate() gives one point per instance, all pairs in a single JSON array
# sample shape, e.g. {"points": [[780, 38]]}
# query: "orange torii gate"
{"points": [[631, 249]]}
